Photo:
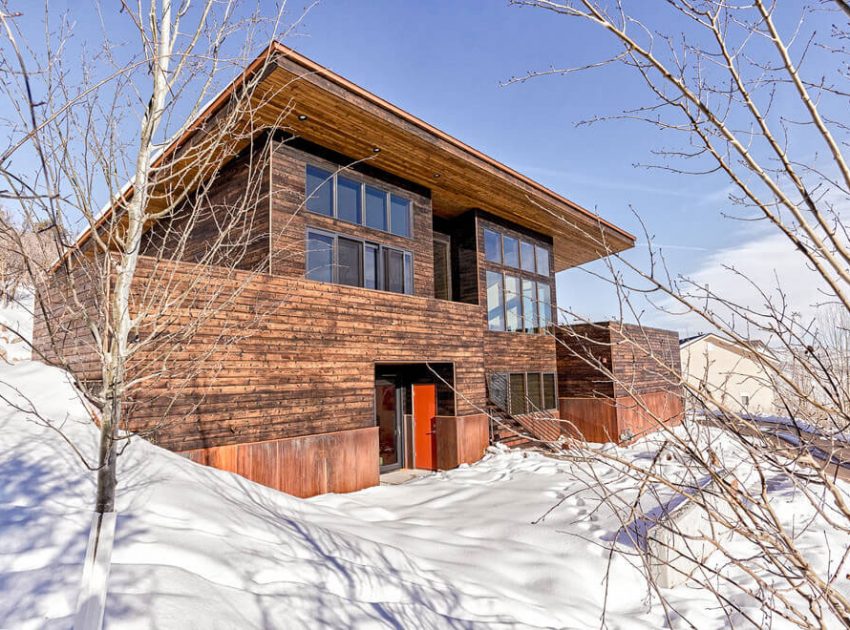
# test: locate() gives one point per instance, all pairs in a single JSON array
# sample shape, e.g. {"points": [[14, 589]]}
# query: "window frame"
{"points": [[355, 177]]}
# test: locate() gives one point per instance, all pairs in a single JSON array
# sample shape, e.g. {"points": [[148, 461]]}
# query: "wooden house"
{"points": [[408, 272]]}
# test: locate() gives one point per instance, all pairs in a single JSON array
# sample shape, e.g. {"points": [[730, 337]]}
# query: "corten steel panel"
{"points": [[461, 439], [343, 461]]}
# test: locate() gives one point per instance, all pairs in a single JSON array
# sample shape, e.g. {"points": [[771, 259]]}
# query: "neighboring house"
{"points": [[409, 281], [735, 377], [617, 381]]}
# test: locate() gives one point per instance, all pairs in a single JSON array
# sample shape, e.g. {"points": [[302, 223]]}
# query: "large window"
{"points": [[495, 301], [344, 198], [541, 254], [492, 246], [513, 306], [526, 256], [523, 392], [341, 260], [544, 305], [529, 305], [510, 247], [515, 252]]}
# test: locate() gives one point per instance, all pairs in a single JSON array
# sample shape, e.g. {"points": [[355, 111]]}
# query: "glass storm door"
{"points": [[388, 419]]}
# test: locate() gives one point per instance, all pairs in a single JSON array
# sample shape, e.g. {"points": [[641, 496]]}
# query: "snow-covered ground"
{"points": [[15, 322], [480, 546]]}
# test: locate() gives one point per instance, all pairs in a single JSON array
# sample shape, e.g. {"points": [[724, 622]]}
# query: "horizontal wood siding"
{"points": [[299, 357]]}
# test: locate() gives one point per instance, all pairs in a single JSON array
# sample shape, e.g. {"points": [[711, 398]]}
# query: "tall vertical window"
{"points": [[319, 191], [513, 304], [495, 301], [526, 255], [535, 393], [542, 256], [370, 266], [529, 306], [399, 216], [516, 401], [549, 401], [544, 304], [348, 200], [408, 272], [376, 208], [442, 270], [393, 270], [492, 246], [320, 257], [510, 247], [349, 262]]}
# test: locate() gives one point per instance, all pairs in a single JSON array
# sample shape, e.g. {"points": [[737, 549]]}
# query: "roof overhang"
{"points": [[309, 101]]}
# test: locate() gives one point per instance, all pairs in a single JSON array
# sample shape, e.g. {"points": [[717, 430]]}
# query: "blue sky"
{"points": [[446, 61]]}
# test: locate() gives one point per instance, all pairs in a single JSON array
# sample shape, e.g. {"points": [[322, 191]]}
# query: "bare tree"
{"points": [[752, 92]]}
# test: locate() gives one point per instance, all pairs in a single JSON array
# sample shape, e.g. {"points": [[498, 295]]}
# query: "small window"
{"points": [[408, 273], [526, 255], [320, 256], [513, 304], [495, 301], [319, 191], [492, 246], [348, 200], [542, 256], [511, 251], [370, 266], [376, 208], [529, 305], [516, 399], [535, 391], [400, 216], [349, 262], [549, 398], [544, 305]]}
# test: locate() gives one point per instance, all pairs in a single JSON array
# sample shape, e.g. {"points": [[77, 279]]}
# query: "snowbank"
{"points": [[15, 322], [514, 541]]}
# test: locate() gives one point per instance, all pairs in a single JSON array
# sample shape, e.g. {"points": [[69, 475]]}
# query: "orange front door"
{"points": [[424, 410]]}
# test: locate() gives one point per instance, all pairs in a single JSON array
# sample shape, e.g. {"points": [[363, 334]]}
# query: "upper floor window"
{"points": [[342, 260], [514, 252], [344, 198], [517, 304]]}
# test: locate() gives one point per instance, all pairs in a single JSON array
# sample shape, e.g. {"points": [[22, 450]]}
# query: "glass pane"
{"points": [[542, 255], [529, 304], [442, 271], [386, 418], [370, 266], [376, 208], [526, 251], [517, 394], [349, 261], [513, 314], [319, 191], [495, 301], [549, 391], [408, 273], [400, 216], [544, 304], [319, 257], [492, 246], [393, 271], [347, 200], [511, 246], [535, 395]]}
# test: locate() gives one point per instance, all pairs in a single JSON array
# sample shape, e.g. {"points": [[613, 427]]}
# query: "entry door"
{"points": [[388, 419], [424, 410]]}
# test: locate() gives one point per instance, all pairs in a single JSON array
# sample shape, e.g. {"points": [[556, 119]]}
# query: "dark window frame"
{"points": [[363, 184], [408, 260]]}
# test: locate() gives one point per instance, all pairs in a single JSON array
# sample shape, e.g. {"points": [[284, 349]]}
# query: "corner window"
{"points": [[513, 304], [542, 256], [544, 305], [495, 301], [529, 305], [492, 246], [320, 191]]}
